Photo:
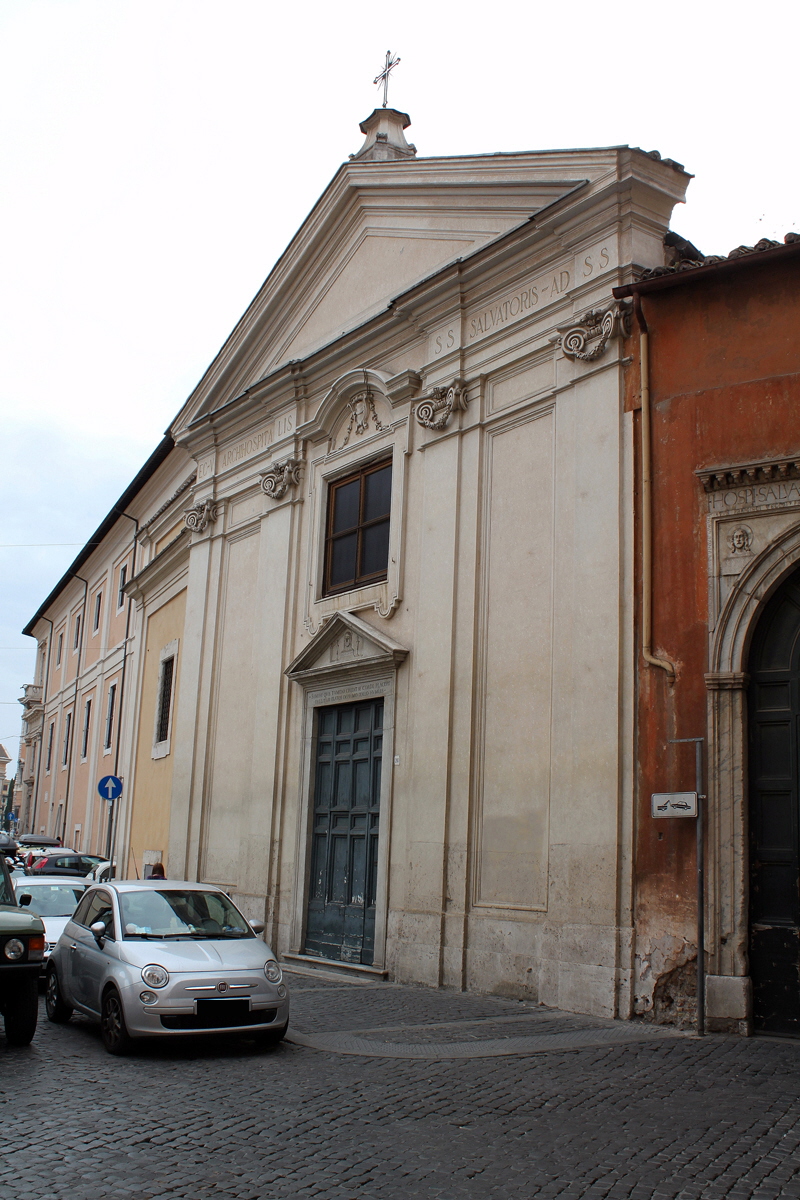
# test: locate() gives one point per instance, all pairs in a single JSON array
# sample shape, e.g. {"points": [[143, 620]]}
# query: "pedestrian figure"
{"points": [[158, 871]]}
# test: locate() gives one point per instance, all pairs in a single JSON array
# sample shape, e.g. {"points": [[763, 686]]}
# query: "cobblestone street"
{"points": [[518, 1102]]}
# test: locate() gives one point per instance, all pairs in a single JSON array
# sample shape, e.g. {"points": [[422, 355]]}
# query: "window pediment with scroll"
{"points": [[355, 409]]}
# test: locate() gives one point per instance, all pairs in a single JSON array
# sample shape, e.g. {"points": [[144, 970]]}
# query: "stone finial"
{"points": [[385, 140]]}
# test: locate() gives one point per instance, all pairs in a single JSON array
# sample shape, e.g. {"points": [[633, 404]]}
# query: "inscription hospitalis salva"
{"points": [[760, 495], [544, 291]]}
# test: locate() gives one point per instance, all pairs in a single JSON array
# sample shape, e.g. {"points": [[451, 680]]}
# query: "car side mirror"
{"points": [[98, 929], [257, 926], [24, 900]]}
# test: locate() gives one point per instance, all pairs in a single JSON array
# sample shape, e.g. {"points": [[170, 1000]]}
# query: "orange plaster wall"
{"points": [[725, 389]]}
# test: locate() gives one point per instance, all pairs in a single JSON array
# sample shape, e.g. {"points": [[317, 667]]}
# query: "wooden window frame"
{"points": [[67, 739], [360, 580], [123, 579], [108, 736], [87, 719]]}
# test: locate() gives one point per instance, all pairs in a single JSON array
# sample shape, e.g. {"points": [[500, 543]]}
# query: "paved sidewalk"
{"points": [[656, 1118]]}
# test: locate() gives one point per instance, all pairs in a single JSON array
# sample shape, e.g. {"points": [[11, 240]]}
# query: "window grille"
{"points": [[165, 699]]}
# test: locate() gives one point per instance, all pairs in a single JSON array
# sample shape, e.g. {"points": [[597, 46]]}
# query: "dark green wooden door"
{"points": [[774, 705], [344, 857]]}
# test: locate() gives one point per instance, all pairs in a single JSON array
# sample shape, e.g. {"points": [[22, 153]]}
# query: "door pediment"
{"points": [[343, 645]]}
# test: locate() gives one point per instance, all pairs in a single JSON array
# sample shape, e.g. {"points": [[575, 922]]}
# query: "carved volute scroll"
{"points": [[200, 515], [436, 409], [280, 477], [587, 337]]}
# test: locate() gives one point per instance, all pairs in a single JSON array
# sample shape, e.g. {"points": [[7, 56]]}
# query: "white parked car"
{"points": [[158, 958], [54, 899], [101, 873]]}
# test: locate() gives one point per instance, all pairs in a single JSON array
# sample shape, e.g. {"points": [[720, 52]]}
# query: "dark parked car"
{"points": [[21, 953], [69, 863], [38, 841]]}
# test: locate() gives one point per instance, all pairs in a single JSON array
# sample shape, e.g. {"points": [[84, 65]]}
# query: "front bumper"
{"points": [[11, 971], [175, 1010]]}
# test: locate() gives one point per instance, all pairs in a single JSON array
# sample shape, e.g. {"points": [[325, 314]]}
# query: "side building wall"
{"points": [[725, 388]]}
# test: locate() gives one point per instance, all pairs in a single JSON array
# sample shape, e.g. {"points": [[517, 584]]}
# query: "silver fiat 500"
{"points": [[153, 958]]}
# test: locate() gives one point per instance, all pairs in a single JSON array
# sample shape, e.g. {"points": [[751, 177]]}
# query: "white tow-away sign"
{"points": [[673, 804]]}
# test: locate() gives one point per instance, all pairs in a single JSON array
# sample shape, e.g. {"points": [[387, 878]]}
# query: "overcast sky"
{"points": [[157, 156]]}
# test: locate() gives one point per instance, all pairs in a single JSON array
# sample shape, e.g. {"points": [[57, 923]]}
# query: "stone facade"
{"points": [[453, 318]]}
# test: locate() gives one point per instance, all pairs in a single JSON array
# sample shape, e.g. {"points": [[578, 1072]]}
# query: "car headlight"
{"points": [[155, 976], [15, 949], [272, 971]]}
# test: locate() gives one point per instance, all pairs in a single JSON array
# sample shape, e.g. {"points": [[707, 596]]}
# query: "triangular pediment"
{"points": [[377, 230], [345, 643]]}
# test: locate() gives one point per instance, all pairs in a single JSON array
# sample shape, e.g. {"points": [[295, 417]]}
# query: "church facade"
{"points": [[375, 647]]}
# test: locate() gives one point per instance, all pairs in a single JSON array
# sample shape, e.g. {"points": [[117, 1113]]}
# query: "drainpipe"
{"points": [[85, 583], [111, 838], [647, 500], [45, 682]]}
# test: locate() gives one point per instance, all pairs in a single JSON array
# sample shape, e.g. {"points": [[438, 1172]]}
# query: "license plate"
{"points": [[221, 1013]]}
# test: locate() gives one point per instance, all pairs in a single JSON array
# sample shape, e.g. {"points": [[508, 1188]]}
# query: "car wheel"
{"points": [[57, 1011], [113, 1029], [270, 1037], [21, 1012]]}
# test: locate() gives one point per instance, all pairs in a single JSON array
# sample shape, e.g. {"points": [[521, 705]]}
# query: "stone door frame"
{"points": [[727, 893], [355, 689], [346, 661]]}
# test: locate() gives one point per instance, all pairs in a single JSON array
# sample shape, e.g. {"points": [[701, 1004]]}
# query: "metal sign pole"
{"points": [[701, 889]]}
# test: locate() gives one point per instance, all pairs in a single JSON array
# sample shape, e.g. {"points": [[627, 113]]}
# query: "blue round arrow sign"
{"points": [[110, 787]]}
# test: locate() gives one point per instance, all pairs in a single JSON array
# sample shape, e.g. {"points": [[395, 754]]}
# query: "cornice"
{"points": [[717, 479], [159, 568], [355, 185], [187, 483]]}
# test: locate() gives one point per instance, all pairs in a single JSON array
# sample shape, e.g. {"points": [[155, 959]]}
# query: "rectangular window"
{"points": [[67, 736], [87, 717], [112, 697], [357, 542], [60, 649], [77, 641], [50, 736], [123, 579], [98, 604], [165, 699]]}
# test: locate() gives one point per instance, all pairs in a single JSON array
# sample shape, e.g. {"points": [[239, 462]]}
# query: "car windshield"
{"points": [[51, 899], [181, 914]]}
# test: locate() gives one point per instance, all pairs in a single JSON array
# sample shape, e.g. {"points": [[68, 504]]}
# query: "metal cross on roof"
{"points": [[383, 78]]}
